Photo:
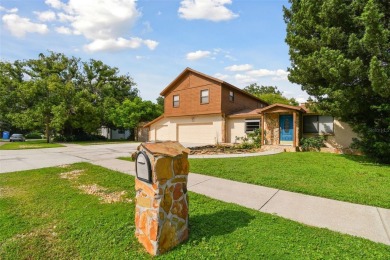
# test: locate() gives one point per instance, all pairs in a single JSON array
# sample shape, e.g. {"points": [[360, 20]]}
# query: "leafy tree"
{"points": [[43, 100], [130, 113], [340, 54], [11, 76], [160, 103], [61, 94], [269, 94]]}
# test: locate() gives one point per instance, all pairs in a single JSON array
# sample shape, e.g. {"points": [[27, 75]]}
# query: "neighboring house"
{"points": [[114, 134], [204, 110]]}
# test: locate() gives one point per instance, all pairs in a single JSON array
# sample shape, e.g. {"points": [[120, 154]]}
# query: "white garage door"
{"points": [[162, 133], [197, 133]]}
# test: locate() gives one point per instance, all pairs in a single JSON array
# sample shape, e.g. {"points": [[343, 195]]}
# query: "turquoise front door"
{"points": [[286, 129]]}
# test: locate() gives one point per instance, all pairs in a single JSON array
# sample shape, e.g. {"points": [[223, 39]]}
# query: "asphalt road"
{"points": [[18, 160]]}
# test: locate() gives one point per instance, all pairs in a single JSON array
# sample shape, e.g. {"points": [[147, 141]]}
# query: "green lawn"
{"points": [[36, 144], [44, 216], [340, 177], [126, 159]]}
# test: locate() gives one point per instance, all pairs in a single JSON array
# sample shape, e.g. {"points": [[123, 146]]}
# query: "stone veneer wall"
{"points": [[161, 217], [297, 129], [271, 128]]}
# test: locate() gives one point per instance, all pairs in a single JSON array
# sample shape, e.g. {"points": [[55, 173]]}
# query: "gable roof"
{"points": [[297, 108], [223, 83], [153, 121], [246, 113]]}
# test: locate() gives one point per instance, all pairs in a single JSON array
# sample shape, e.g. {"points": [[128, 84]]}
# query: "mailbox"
{"points": [[161, 208], [143, 168]]}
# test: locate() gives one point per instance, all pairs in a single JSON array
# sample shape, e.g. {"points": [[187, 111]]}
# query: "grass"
{"points": [[126, 158], [341, 177], [36, 144], [43, 216]]}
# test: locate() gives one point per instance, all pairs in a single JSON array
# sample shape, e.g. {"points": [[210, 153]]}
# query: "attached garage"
{"points": [[197, 133], [163, 133]]}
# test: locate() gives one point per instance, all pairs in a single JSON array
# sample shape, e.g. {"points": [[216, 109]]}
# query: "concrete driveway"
{"points": [[18, 160]]}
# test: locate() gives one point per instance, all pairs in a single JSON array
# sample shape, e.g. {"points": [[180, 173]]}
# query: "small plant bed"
{"points": [[341, 177], [38, 144], [82, 211], [222, 149]]}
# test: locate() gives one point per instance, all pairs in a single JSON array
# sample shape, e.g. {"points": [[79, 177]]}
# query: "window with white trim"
{"points": [[318, 124], [231, 96], [204, 96], [176, 101], [251, 125]]}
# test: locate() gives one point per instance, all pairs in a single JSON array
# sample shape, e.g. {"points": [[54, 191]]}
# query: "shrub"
{"points": [[34, 135], [312, 143], [253, 140], [81, 137]]}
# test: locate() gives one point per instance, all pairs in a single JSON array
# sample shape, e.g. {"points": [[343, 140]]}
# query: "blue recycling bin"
{"points": [[5, 135]]}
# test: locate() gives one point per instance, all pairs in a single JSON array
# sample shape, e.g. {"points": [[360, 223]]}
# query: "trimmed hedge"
{"points": [[76, 138]]}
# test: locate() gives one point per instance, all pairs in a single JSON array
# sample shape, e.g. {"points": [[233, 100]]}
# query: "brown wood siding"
{"points": [[189, 90], [240, 102]]}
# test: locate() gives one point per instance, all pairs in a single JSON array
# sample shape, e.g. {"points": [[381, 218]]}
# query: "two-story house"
{"points": [[201, 109]]}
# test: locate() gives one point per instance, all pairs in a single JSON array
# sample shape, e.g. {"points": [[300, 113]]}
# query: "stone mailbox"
{"points": [[161, 214]]}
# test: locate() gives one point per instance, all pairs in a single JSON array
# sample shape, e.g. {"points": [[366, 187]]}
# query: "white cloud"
{"points": [[56, 4], [19, 26], [63, 30], [213, 10], [151, 44], [65, 18], [104, 19], [106, 23], [229, 57], [118, 44], [278, 74], [46, 16], [243, 78], [147, 27], [197, 55], [243, 67], [12, 11], [221, 76]]}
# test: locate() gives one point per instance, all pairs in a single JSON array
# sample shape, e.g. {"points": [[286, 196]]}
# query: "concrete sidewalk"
{"points": [[369, 222]]}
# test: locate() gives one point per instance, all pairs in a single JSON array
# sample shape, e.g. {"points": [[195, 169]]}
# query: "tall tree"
{"points": [[340, 54], [130, 113], [11, 77], [55, 92], [44, 98], [269, 94]]}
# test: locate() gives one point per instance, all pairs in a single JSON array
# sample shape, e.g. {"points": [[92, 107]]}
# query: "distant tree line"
{"points": [[270, 94], [64, 95]]}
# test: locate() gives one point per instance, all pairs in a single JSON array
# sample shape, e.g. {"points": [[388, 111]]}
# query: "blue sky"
{"points": [[239, 41]]}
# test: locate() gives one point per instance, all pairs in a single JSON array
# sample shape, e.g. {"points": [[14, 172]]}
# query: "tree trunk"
{"points": [[47, 132]]}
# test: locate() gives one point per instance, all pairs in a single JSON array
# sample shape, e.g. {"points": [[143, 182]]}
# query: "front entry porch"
{"points": [[281, 125]]}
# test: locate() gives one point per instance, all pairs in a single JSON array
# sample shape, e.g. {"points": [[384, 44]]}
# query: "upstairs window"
{"points": [[204, 96], [231, 96], [176, 101], [318, 124], [251, 125]]}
